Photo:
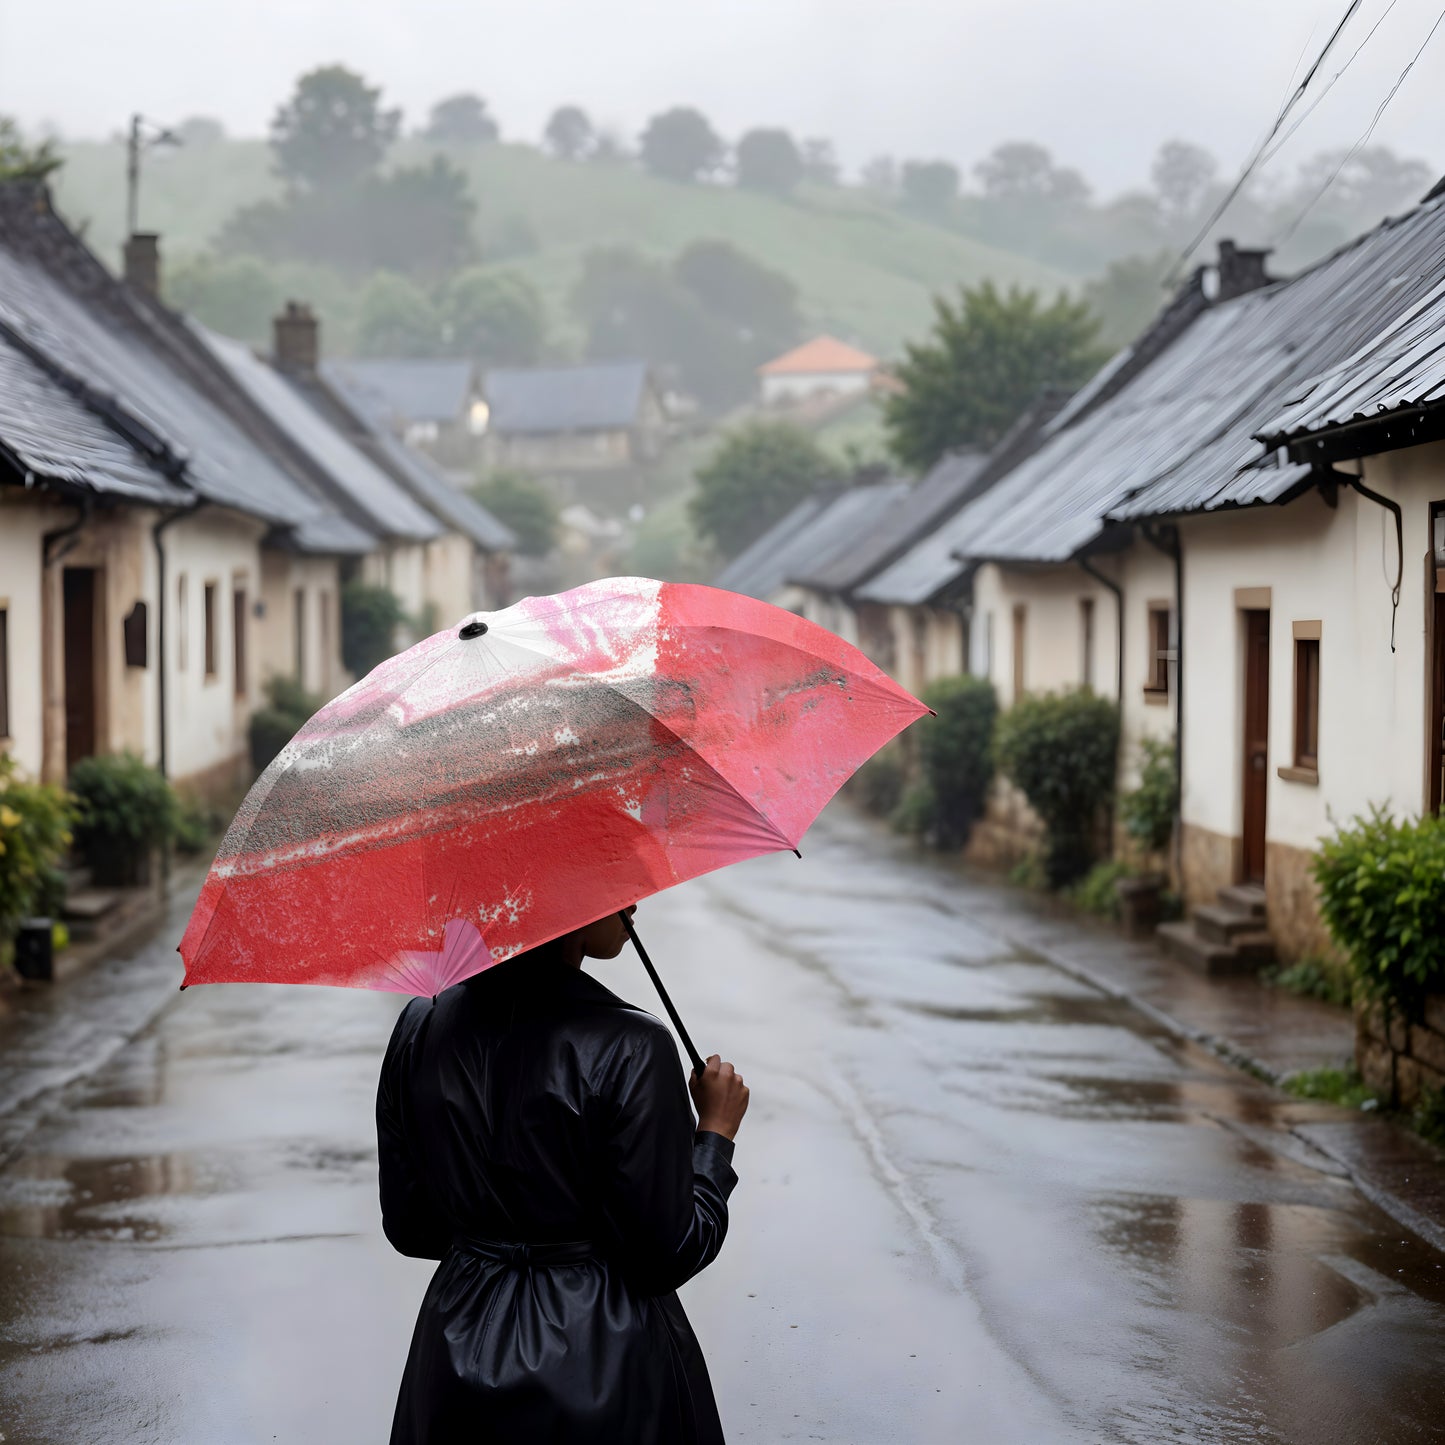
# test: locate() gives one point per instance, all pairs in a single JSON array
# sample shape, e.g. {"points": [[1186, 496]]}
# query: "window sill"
{"points": [[1156, 696], [1309, 776]]}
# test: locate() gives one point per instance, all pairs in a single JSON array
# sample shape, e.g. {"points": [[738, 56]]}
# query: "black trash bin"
{"points": [[35, 950]]}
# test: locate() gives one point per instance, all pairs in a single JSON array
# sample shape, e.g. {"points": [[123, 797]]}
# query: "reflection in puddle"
{"points": [[46, 1197]]}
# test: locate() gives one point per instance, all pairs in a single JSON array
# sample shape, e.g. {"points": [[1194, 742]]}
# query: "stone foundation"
{"points": [[1294, 903], [1399, 1058], [1009, 831], [1207, 862]]}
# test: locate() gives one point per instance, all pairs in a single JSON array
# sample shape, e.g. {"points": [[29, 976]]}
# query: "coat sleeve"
{"points": [[665, 1189], [409, 1216]]}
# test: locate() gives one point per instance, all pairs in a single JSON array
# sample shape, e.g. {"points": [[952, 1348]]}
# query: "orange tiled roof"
{"points": [[821, 354]]}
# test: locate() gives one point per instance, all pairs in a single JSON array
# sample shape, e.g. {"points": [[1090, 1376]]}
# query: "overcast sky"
{"points": [[1100, 83]]}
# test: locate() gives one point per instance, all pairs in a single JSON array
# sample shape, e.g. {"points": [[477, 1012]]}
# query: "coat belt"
{"points": [[513, 1255]]}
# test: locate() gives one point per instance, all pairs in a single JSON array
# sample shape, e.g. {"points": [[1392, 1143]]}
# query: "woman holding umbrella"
{"points": [[535, 1137]]}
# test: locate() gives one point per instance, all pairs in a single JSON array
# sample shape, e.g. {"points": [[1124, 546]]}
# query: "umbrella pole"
{"points": [[687, 1043]]}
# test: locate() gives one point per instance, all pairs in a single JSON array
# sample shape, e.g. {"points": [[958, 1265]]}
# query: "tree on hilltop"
{"points": [[929, 187], [680, 145], [769, 160], [569, 134], [333, 131], [20, 161], [461, 120]]}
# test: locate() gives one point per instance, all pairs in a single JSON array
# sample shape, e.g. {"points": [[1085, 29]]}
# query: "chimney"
{"points": [[296, 344], [142, 255], [1240, 270]]}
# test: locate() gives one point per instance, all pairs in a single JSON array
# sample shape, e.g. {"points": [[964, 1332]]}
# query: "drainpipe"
{"points": [[1358, 483], [1118, 592], [1167, 540]]}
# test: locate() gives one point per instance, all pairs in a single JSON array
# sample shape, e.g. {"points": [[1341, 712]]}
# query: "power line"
{"points": [[1258, 153], [1359, 145]]}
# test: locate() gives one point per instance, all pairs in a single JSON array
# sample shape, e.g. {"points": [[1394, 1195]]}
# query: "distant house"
{"points": [[430, 404], [820, 367], [572, 419]]}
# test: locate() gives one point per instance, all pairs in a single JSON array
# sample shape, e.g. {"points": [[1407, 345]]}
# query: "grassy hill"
{"points": [[862, 269]]}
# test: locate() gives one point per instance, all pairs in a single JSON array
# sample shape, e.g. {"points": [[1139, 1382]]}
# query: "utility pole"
{"points": [[136, 142]]}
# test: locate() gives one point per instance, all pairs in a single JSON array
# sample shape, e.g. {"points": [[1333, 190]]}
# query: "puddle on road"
{"points": [[1037, 1008], [47, 1197]]}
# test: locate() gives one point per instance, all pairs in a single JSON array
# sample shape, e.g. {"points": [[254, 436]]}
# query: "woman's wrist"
{"points": [[715, 1126]]}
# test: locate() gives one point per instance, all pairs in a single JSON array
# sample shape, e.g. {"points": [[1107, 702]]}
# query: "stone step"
{"points": [[90, 909], [1244, 898], [1183, 941], [1219, 924]]}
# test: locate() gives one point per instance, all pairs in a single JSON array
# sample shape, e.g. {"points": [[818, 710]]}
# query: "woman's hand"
{"points": [[721, 1098]]}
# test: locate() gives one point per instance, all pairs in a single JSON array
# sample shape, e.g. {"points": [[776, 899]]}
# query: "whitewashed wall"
{"points": [[796, 385], [23, 523], [316, 580]]}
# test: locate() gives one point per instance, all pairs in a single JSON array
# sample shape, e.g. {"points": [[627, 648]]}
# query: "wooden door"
{"points": [[80, 655], [1437, 706], [1256, 743]]}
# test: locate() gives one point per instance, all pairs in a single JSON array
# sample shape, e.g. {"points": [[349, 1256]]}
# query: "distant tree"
{"points": [[397, 319], [758, 303], [333, 131], [418, 220], [520, 502], [199, 132], [929, 187], [1182, 174], [1024, 169], [495, 317], [1127, 297], [987, 357], [820, 162], [756, 476], [1366, 185], [609, 149], [20, 161], [235, 295], [769, 160], [511, 236], [569, 134], [880, 176], [461, 120], [680, 145]]}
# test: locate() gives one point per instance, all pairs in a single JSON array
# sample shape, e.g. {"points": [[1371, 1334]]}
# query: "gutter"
{"points": [[1329, 481]]}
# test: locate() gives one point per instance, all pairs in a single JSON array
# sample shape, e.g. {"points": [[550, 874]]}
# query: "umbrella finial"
{"points": [[473, 628]]}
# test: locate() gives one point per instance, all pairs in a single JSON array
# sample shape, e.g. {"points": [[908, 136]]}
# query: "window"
{"points": [[238, 639], [298, 616], [209, 615], [1156, 675], [1086, 641], [1021, 615], [4, 672], [183, 622], [1307, 697]]}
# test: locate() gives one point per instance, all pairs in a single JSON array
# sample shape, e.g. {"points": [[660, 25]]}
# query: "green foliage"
{"points": [[929, 187], [987, 359], [332, 132], [916, 809], [397, 319], [35, 824], [235, 295], [878, 784], [520, 502], [197, 823], [1382, 897], [1028, 873], [288, 706], [1128, 296], [769, 160], [1061, 750], [1428, 1118], [1148, 811], [680, 145], [494, 317], [758, 473], [569, 134], [20, 161], [955, 755], [461, 120], [1096, 893], [1333, 1086], [416, 220], [1312, 978], [370, 616], [125, 808], [759, 305]]}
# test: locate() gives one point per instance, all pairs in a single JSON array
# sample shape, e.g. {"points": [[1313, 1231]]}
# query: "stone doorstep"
{"points": [[1219, 924], [1243, 954], [1244, 898]]}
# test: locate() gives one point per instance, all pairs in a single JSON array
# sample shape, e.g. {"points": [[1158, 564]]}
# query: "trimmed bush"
{"points": [[1061, 750], [1148, 811], [878, 784], [126, 809], [288, 705], [955, 759], [1096, 892], [1382, 896], [35, 823], [369, 619]]}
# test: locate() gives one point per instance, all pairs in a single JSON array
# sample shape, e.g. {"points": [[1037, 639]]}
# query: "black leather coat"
{"points": [[536, 1137]]}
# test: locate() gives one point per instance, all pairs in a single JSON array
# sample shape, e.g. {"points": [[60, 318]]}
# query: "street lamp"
{"points": [[143, 135]]}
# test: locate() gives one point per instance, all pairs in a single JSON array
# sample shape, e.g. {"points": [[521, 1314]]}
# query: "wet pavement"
{"points": [[981, 1201]]}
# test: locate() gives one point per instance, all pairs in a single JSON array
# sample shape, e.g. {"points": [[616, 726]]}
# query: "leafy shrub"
{"points": [[35, 823], [288, 705], [1061, 750], [878, 784], [955, 757], [370, 616], [1028, 873], [915, 810], [1335, 1086], [197, 822], [1382, 895], [1148, 811], [126, 809], [1311, 978], [1095, 892], [519, 501], [1428, 1119]]}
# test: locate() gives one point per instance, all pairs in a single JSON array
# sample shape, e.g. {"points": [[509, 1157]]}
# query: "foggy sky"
{"points": [[1101, 83]]}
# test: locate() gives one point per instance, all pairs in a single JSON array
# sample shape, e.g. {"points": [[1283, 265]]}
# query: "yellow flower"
{"points": [[9, 818], [2, 850]]}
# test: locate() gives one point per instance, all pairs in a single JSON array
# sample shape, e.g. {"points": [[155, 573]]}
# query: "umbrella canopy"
{"points": [[528, 772]]}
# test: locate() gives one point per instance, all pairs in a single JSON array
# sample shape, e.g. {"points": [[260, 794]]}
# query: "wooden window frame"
{"points": [[1087, 621], [298, 631], [1156, 678], [210, 651], [238, 637], [1306, 696]]}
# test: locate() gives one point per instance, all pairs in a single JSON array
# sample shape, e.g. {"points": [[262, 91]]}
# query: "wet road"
{"points": [[979, 1203]]}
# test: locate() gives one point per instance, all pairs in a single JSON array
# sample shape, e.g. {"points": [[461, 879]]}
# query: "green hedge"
{"points": [[370, 617], [1061, 750], [288, 705], [35, 823], [1148, 811], [955, 760], [126, 808], [1382, 896]]}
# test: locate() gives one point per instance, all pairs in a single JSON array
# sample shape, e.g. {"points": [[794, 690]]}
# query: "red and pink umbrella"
{"points": [[528, 772]]}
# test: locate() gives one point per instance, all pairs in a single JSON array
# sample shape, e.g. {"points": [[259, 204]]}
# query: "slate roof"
{"points": [[382, 505], [547, 400], [823, 354], [811, 535], [416, 390], [369, 428]]}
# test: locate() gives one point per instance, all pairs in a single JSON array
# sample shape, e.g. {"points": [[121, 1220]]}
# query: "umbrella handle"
{"points": [[697, 1062]]}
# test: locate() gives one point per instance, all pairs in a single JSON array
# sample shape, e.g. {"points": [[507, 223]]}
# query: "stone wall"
{"points": [[1208, 862], [1294, 904], [1009, 831], [1399, 1058]]}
